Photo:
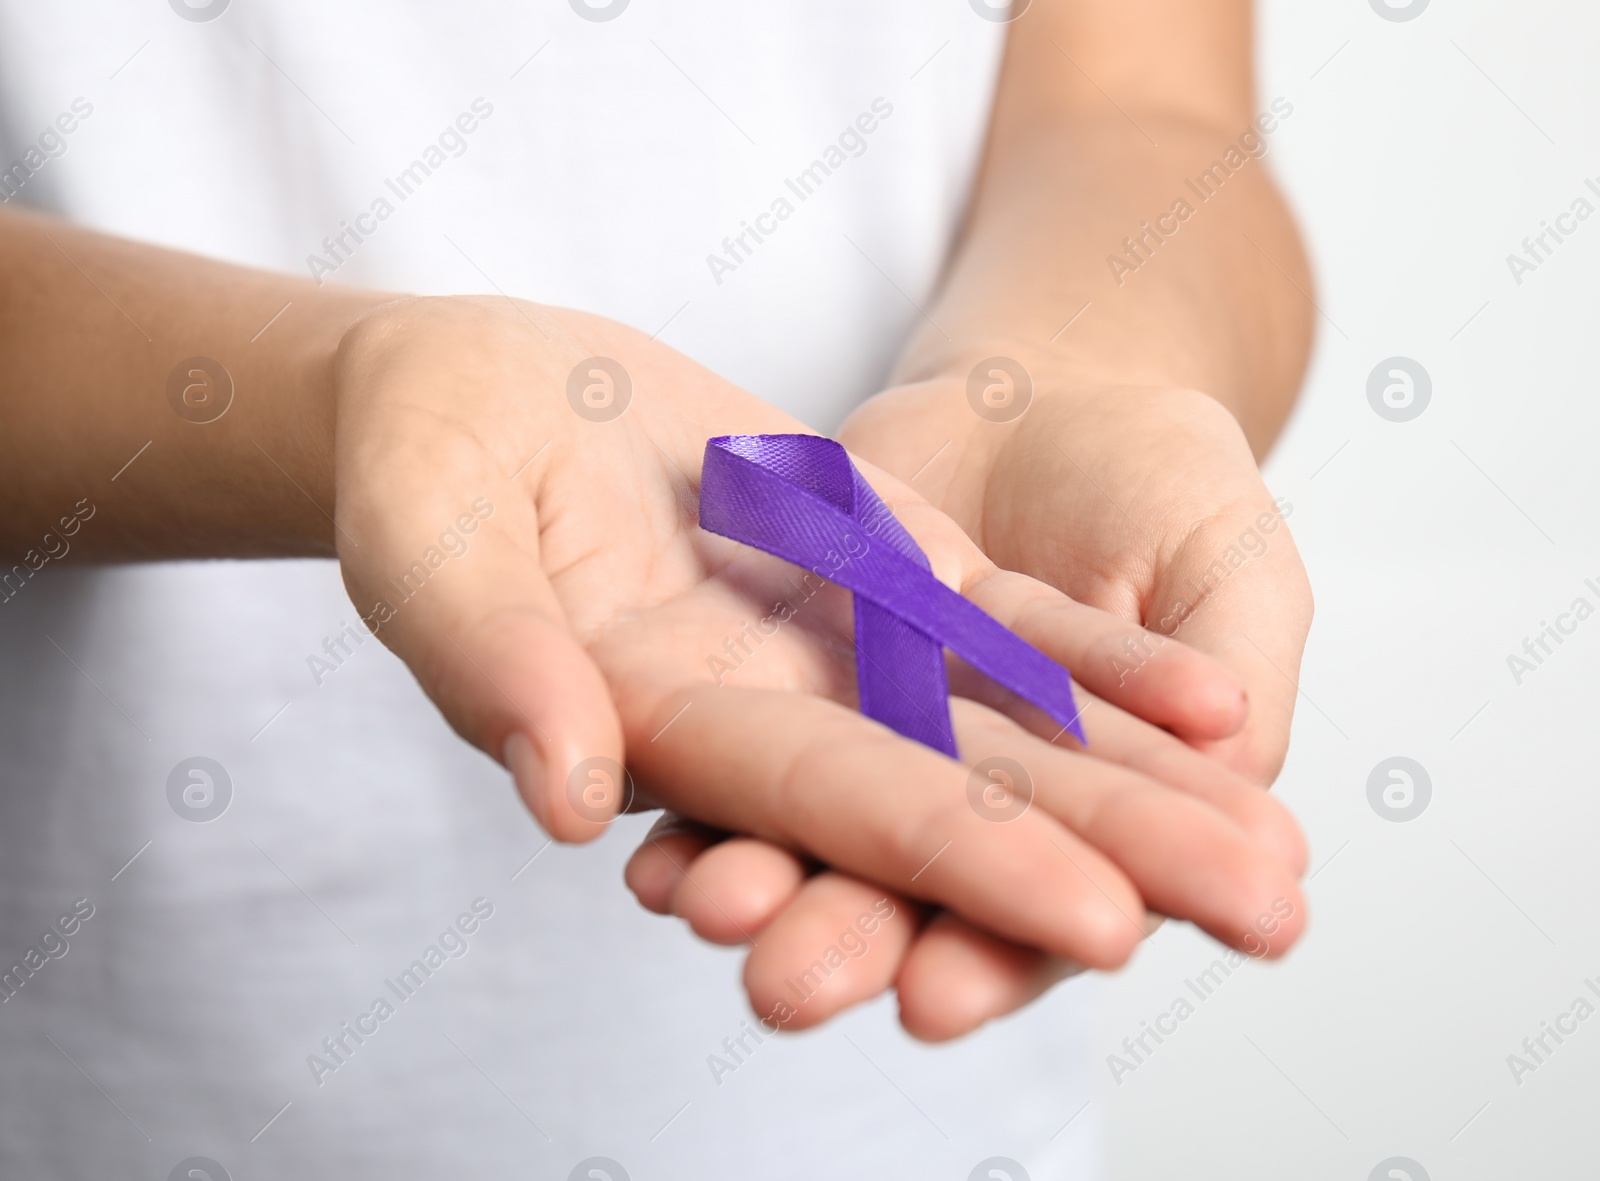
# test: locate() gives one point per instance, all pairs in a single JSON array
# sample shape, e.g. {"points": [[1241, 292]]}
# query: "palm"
{"points": [[661, 605], [598, 494]]}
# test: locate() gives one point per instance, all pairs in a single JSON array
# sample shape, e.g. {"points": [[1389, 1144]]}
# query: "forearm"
{"points": [[92, 330], [1213, 296]]}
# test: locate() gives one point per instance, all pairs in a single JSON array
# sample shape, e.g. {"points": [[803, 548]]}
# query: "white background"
{"points": [[1418, 157]]}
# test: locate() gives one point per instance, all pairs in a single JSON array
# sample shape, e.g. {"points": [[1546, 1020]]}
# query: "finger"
{"points": [[1186, 858], [952, 978], [1183, 689], [734, 890], [816, 776], [840, 942], [1236, 590], [449, 570], [662, 858], [1119, 738], [956, 978], [1163, 681], [1129, 742]]}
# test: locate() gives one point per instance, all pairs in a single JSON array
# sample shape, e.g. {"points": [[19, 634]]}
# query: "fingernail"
{"points": [[521, 758]]}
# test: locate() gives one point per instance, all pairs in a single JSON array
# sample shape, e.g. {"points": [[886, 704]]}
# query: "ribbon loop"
{"points": [[800, 498]]}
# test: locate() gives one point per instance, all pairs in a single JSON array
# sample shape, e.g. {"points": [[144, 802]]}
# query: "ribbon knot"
{"points": [[798, 497]]}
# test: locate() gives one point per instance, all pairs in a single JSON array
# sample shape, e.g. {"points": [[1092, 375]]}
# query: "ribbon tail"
{"points": [[901, 678], [1008, 660]]}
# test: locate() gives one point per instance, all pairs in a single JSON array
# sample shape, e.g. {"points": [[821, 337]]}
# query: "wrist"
{"points": [[1055, 367], [1089, 365], [975, 395], [282, 439], [971, 415]]}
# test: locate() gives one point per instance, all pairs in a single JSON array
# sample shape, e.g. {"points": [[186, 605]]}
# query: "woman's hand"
{"points": [[1144, 502]]}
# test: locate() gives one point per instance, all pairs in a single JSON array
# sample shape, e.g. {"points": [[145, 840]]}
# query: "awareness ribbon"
{"points": [[800, 498]]}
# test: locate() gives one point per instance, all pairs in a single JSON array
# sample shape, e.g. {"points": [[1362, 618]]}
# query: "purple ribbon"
{"points": [[800, 498]]}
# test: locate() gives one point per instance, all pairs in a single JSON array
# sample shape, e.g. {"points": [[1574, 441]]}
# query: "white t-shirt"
{"points": [[770, 186]]}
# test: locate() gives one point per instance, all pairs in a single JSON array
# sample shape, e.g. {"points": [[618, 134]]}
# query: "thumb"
{"points": [[456, 589], [1237, 591]]}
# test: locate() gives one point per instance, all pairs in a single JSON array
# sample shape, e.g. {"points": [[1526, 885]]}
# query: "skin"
{"points": [[578, 620], [1133, 469]]}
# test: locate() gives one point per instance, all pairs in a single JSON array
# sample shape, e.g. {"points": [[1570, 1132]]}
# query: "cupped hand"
{"points": [[1145, 502], [516, 509]]}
